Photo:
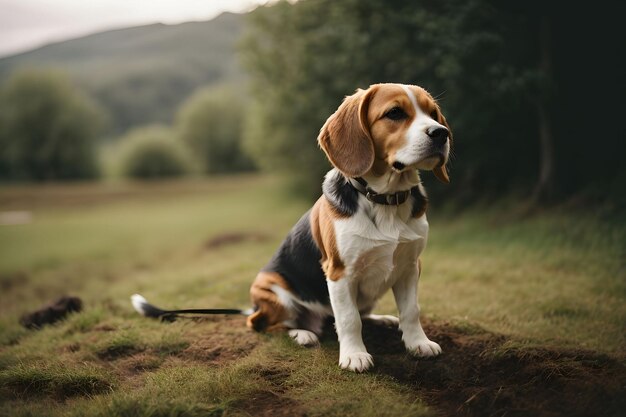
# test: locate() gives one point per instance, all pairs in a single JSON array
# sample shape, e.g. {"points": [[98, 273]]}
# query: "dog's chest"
{"points": [[379, 249]]}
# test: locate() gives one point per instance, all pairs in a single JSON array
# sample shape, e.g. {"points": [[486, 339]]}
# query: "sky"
{"points": [[27, 24]]}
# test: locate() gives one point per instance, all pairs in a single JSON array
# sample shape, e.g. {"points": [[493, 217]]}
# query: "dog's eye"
{"points": [[433, 114], [396, 114]]}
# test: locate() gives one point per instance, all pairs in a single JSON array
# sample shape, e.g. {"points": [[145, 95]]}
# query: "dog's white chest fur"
{"points": [[377, 245]]}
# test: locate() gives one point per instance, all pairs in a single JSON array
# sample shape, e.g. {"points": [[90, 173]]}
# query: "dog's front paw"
{"points": [[424, 348], [356, 361]]}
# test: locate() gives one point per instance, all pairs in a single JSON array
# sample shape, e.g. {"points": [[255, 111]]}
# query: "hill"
{"points": [[141, 74]]}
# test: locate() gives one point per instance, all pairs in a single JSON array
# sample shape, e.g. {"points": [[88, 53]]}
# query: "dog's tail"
{"points": [[146, 309]]}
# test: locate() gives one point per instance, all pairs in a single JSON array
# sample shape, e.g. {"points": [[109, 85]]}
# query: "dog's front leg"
{"points": [[352, 352], [415, 340]]}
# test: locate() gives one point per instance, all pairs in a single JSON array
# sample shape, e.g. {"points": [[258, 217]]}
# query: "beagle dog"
{"points": [[366, 232]]}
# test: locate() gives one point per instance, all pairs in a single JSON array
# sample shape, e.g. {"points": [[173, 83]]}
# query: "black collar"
{"points": [[394, 199]]}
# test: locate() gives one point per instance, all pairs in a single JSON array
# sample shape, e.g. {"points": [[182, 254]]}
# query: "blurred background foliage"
{"points": [[508, 75], [48, 129], [152, 152], [533, 100], [211, 122]]}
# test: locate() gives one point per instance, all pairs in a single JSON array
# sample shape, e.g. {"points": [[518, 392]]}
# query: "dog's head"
{"points": [[387, 126]]}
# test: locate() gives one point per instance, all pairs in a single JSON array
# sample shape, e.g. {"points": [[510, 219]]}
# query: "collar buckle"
{"points": [[370, 194]]}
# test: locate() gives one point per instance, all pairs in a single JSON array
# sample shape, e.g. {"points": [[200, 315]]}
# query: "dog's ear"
{"points": [[441, 172], [345, 137]]}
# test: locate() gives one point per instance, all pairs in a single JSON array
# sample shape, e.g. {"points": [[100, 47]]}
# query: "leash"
{"points": [[146, 309]]}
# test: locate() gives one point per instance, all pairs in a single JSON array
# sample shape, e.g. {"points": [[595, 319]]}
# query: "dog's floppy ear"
{"points": [[345, 137], [441, 172]]}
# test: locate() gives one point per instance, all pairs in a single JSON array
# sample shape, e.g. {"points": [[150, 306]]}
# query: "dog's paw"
{"points": [[356, 361], [304, 337], [383, 320], [424, 348]]}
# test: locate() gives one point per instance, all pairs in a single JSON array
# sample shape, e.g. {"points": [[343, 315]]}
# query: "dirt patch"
{"points": [[276, 378], [229, 340], [270, 404], [115, 351], [71, 347], [479, 376], [104, 328], [233, 238], [139, 363], [52, 313]]}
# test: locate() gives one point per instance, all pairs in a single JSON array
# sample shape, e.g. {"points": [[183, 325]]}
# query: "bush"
{"points": [[48, 128], [210, 122], [153, 152]]}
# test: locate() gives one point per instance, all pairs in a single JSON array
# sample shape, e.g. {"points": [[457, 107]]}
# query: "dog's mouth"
{"points": [[431, 162], [398, 166], [427, 163]]}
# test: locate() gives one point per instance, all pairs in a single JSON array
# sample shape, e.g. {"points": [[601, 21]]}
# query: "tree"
{"points": [[304, 58], [545, 183], [211, 123], [508, 75], [48, 128]]}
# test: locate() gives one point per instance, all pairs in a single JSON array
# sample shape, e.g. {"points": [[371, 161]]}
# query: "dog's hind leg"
{"points": [[380, 319], [270, 312], [307, 327], [278, 309], [303, 337]]}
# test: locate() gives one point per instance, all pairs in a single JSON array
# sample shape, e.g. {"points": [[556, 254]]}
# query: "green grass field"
{"points": [[530, 310]]}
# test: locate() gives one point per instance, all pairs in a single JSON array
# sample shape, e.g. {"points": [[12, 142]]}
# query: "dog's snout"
{"points": [[439, 135]]}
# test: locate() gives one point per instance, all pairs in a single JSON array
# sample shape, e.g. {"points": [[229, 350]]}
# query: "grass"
{"points": [[554, 277], [548, 280], [55, 379]]}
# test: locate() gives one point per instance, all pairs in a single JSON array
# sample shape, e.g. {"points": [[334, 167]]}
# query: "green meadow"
{"points": [[502, 289]]}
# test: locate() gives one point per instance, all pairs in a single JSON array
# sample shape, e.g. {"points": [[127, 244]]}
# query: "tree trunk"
{"points": [[545, 182]]}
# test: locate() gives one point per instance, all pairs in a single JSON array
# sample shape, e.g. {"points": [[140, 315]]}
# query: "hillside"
{"points": [[141, 74]]}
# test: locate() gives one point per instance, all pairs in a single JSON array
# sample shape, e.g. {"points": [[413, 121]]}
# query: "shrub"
{"points": [[153, 152], [211, 122], [48, 128]]}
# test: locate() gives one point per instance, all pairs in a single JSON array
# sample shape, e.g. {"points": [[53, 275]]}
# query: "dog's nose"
{"points": [[439, 135]]}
